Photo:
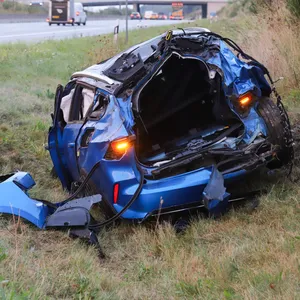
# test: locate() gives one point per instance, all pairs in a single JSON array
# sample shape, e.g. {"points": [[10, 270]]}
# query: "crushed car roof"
{"points": [[133, 65], [145, 49]]}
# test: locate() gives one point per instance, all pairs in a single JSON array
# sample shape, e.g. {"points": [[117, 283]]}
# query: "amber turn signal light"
{"points": [[119, 147], [245, 99]]}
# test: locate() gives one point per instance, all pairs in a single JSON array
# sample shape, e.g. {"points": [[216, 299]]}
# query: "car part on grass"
{"points": [[218, 115], [72, 213], [179, 117]]}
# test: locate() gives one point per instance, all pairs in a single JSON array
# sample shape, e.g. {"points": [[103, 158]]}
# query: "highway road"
{"points": [[39, 31]]}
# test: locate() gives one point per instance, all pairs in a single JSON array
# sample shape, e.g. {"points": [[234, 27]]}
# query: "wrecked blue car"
{"points": [[170, 125], [167, 125]]}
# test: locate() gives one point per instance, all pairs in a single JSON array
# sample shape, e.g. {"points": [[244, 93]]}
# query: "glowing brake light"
{"points": [[77, 13], [245, 100]]}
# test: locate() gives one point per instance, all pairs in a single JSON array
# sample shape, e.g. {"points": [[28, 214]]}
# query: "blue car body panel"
{"points": [[174, 191], [76, 146], [118, 121], [239, 77], [15, 201], [56, 145]]}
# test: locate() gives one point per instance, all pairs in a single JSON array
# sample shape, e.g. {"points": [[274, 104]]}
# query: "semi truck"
{"points": [[177, 11]]}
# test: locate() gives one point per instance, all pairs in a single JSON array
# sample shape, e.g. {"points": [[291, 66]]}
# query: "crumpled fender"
{"points": [[14, 199]]}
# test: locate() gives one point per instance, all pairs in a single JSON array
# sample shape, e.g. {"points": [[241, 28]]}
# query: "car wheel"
{"points": [[50, 24], [64, 24], [270, 113], [78, 24], [84, 23], [58, 24]]}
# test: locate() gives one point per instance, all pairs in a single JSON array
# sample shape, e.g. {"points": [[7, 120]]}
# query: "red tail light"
{"points": [[116, 192], [77, 13]]}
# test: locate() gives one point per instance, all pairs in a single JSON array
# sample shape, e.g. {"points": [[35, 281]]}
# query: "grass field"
{"points": [[247, 254]]}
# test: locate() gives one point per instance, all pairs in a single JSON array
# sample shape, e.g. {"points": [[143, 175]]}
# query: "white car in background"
{"points": [[80, 15]]}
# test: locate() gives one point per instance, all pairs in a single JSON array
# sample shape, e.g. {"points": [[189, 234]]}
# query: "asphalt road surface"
{"points": [[36, 32]]}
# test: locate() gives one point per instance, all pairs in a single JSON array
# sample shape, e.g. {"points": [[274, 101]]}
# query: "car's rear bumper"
{"points": [[181, 190], [165, 192]]}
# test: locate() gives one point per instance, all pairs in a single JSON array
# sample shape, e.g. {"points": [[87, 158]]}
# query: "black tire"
{"points": [[64, 24], [58, 24], [50, 24], [269, 111], [84, 23], [78, 24]]}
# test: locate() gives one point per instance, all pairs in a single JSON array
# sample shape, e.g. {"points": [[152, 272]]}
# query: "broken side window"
{"points": [[99, 107]]}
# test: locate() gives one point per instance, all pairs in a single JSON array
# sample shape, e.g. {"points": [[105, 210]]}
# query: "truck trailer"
{"points": [[66, 12]]}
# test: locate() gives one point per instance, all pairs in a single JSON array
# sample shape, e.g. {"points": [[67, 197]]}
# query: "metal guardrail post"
{"points": [[116, 32]]}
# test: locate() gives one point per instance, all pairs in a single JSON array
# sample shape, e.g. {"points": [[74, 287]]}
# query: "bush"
{"points": [[8, 5]]}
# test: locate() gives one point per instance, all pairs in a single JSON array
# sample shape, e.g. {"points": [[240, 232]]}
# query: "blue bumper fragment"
{"points": [[14, 199], [215, 197]]}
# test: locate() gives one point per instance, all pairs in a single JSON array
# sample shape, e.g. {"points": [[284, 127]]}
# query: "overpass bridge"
{"points": [[207, 6]]}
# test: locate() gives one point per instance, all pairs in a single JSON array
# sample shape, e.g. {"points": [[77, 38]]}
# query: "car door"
{"points": [[55, 144], [71, 109]]}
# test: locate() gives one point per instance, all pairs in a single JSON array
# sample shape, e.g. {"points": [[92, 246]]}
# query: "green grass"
{"points": [[247, 254]]}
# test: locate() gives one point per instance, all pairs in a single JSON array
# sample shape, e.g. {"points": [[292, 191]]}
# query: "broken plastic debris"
{"points": [[215, 189]]}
